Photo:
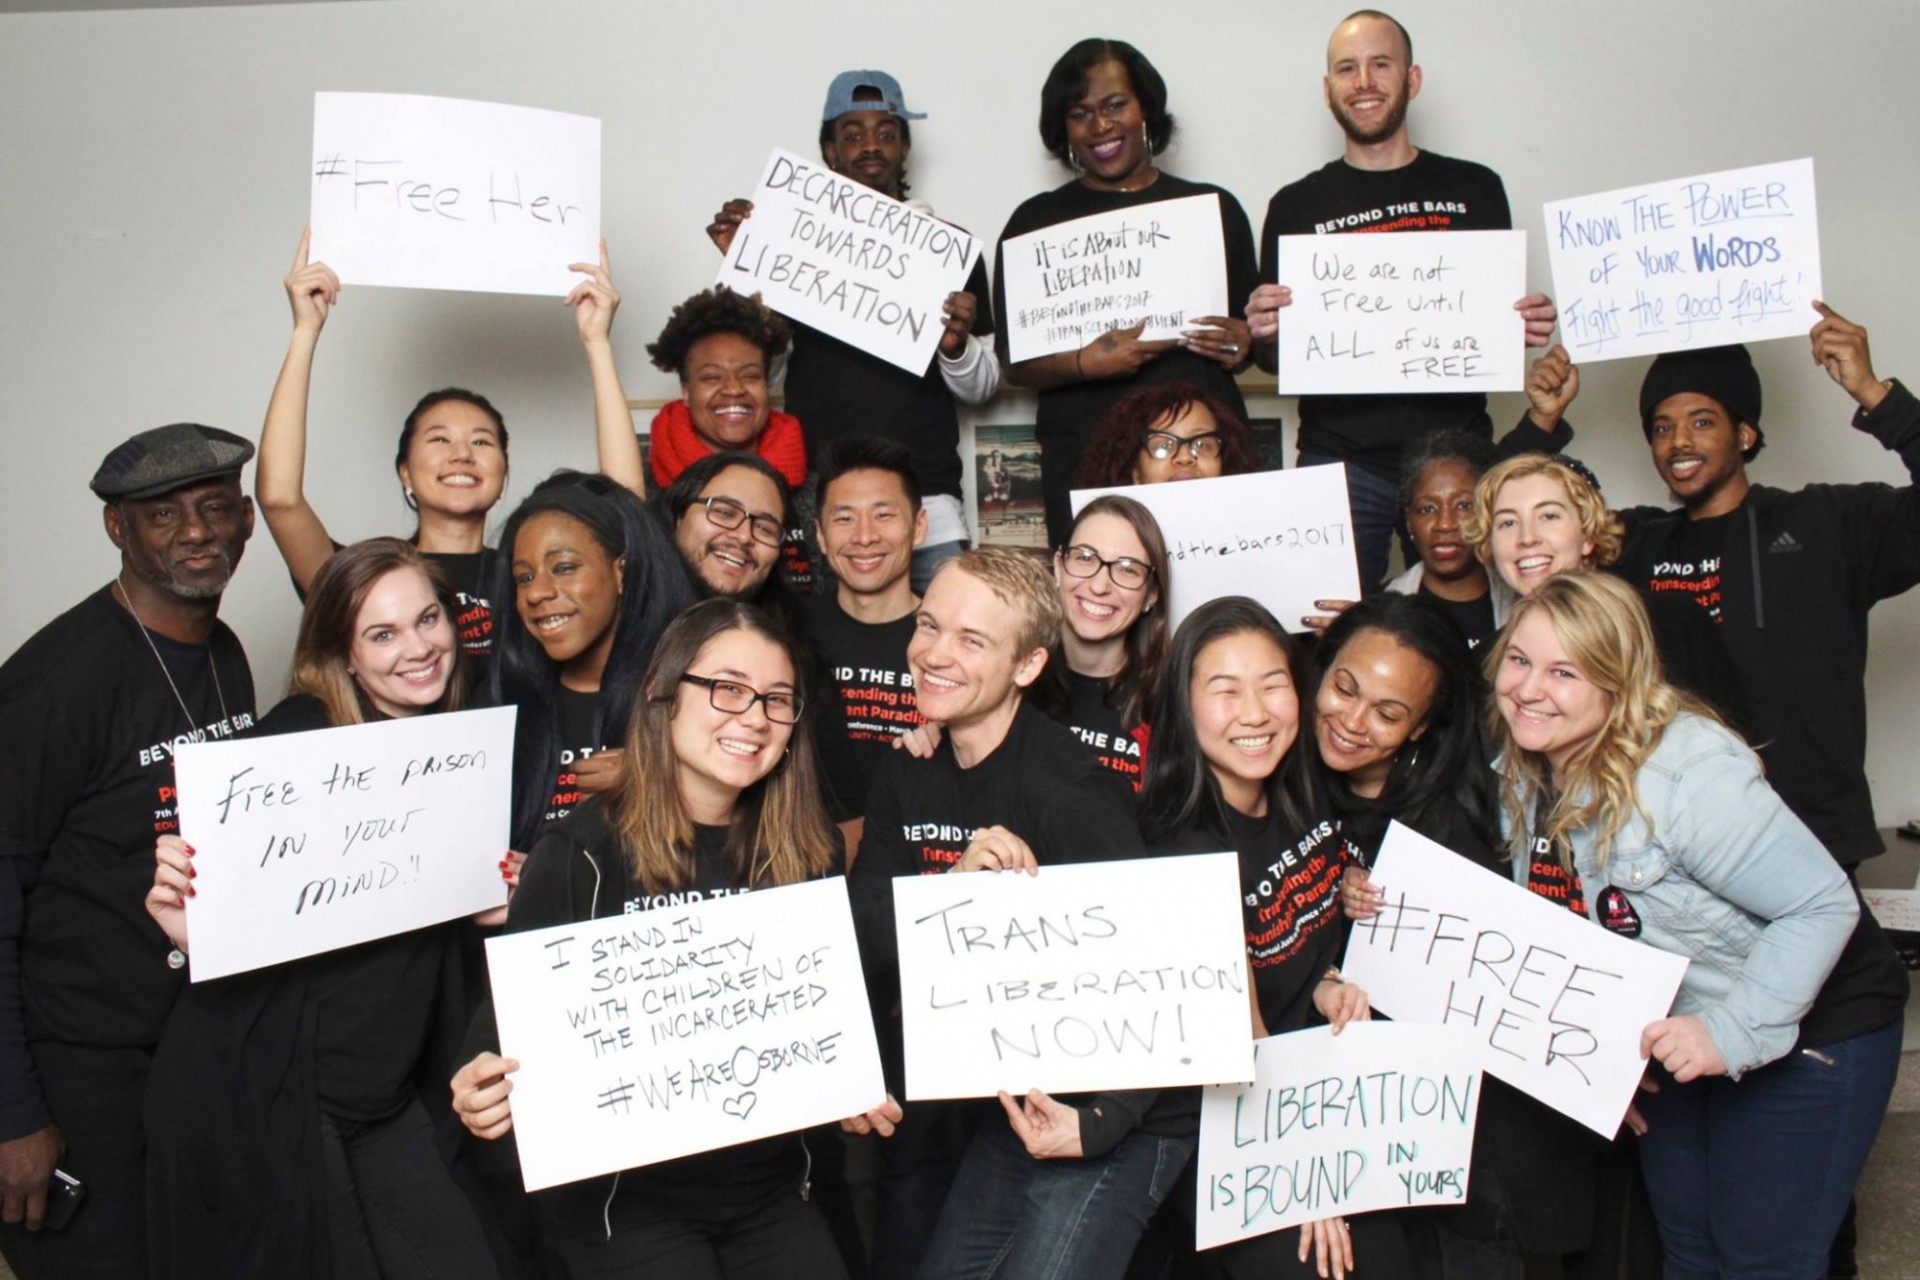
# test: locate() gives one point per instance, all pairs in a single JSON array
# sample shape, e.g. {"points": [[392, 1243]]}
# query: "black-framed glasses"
{"points": [[737, 699], [1162, 445], [1083, 562], [725, 513]]}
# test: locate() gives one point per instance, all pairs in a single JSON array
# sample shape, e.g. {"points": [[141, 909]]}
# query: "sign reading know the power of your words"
{"points": [[1164, 263], [1698, 262], [441, 193], [1555, 1003], [1380, 1116], [1415, 311], [1097, 975], [870, 270], [1284, 538], [307, 842], [657, 1034]]}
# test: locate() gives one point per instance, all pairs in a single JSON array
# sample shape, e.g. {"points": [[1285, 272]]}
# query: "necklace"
{"points": [[212, 666]]}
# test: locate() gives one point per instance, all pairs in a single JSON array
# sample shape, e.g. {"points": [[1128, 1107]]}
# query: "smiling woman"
{"points": [[722, 346]]}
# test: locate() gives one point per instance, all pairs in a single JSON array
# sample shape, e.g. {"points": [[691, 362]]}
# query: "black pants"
{"points": [[97, 1098], [393, 1209], [784, 1238]]}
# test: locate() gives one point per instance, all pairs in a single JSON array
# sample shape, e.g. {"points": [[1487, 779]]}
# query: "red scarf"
{"points": [[676, 447]]}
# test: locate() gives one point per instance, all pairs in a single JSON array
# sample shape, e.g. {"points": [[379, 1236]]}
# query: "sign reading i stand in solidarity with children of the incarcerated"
{"points": [[1380, 1116], [1698, 262], [307, 842], [1161, 263], [656, 1034], [1415, 311], [1087, 976], [441, 193], [870, 270], [1284, 538], [1555, 1003]]}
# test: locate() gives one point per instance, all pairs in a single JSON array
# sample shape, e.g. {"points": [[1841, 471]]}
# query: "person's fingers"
{"points": [[1825, 310], [36, 1209], [299, 261], [606, 264], [1017, 1118], [1306, 1241]]}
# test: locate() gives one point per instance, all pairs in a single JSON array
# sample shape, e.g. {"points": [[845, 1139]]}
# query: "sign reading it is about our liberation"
{"points": [[1555, 1003], [656, 1034], [1380, 1116], [849, 261], [442, 193], [307, 842], [1411, 312], [1283, 537], [1696, 262], [1163, 263], [1097, 975]]}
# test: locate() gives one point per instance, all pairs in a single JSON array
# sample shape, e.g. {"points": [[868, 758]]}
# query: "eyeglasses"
{"points": [[737, 699], [728, 514], [1127, 573], [1162, 445]]}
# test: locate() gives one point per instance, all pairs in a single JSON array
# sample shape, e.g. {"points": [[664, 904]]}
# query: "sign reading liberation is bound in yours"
{"points": [[849, 261]]}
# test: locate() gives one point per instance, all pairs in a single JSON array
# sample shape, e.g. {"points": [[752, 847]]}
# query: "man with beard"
{"points": [[728, 514], [1382, 183], [836, 390], [92, 709]]}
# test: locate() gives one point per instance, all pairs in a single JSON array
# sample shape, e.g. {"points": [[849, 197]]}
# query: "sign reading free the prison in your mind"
{"points": [[688, 1027], [441, 193], [843, 258], [1695, 262], [307, 842], [1088, 976]]}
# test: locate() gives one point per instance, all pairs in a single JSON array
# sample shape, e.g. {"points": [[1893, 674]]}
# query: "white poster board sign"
{"points": [[1284, 538], [1556, 1003], [1697, 262], [441, 193], [1413, 311], [307, 842], [849, 261], [1089, 976], [1894, 908], [1164, 263], [1380, 1116], [656, 1034]]}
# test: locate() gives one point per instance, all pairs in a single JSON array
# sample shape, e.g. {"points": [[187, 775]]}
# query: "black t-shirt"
{"points": [[91, 724], [1433, 193], [837, 390], [1093, 713], [865, 695], [581, 737], [1473, 617], [1290, 899], [1067, 415], [1693, 574]]}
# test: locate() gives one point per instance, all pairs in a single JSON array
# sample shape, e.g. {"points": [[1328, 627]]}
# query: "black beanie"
{"points": [[1725, 374]]}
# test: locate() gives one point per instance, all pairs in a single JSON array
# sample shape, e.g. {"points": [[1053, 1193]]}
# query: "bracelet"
{"points": [[1332, 974]]}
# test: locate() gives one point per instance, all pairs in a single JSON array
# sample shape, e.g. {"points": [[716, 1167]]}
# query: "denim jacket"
{"points": [[1730, 879]]}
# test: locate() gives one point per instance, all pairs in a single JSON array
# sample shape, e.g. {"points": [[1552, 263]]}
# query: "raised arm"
{"points": [[594, 302], [280, 481]]}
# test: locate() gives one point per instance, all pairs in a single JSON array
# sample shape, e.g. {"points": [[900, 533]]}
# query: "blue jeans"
{"points": [[1012, 1217], [1750, 1179], [1375, 503]]}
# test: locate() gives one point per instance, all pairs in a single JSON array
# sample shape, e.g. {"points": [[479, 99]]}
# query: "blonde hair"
{"points": [[1603, 626], [323, 651], [1598, 525], [1023, 584], [780, 833]]}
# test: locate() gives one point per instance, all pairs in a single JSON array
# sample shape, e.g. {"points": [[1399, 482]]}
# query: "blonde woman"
{"points": [[1770, 1077]]}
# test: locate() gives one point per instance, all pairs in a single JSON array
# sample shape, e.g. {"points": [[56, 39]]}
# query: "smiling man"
{"points": [[92, 709], [728, 515]]}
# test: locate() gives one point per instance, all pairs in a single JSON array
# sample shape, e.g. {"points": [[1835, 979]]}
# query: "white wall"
{"points": [[153, 185]]}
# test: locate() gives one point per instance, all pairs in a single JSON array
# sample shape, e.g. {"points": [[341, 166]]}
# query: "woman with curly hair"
{"points": [[1167, 431], [722, 346]]}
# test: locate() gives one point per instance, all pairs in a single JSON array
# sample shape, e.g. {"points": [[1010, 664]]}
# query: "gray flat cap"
{"points": [[168, 458]]}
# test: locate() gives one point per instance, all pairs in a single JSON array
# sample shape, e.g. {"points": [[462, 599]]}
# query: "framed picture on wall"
{"points": [[1011, 512]]}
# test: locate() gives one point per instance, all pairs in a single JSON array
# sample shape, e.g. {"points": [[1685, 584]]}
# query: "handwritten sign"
{"points": [[868, 269], [1380, 1116], [1894, 908], [656, 1034], [308, 842], [1284, 538], [1164, 263], [1556, 1004], [1416, 311], [440, 193], [1099, 975], [1723, 257]]}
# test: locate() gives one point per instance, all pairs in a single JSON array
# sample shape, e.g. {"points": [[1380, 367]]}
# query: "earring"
{"points": [[1073, 161]]}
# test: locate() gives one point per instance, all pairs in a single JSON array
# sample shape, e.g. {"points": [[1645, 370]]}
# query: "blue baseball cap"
{"points": [[843, 96]]}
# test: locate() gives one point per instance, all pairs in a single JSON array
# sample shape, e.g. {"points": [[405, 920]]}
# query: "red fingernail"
{"points": [[190, 851], [192, 892], [192, 872]]}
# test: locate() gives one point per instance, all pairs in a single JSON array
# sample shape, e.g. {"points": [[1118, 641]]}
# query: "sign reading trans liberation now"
{"points": [[863, 267]]}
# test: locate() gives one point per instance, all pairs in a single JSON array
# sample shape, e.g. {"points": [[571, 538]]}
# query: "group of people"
{"points": [[763, 653]]}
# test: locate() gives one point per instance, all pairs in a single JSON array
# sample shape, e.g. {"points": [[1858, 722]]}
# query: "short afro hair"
{"points": [[718, 310]]}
